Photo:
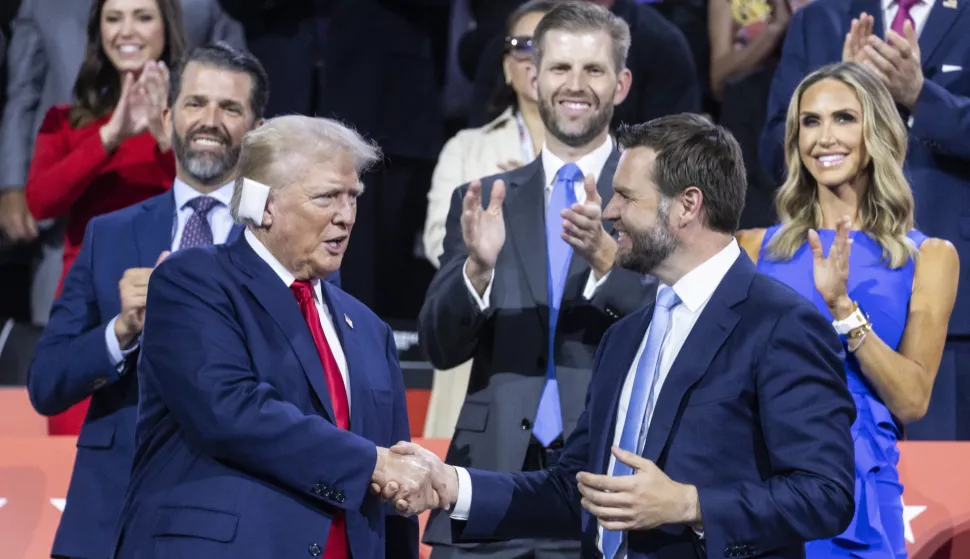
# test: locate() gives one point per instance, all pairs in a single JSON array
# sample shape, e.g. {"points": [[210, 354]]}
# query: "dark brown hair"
{"points": [[693, 151], [581, 17], [98, 85]]}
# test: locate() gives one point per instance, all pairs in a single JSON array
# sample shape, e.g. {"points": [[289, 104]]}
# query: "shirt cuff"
{"points": [[484, 299], [464, 503], [592, 285], [117, 354]]}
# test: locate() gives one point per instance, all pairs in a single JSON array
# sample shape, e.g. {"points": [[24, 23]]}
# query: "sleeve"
{"points": [[26, 67], [222, 407], [790, 71], [806, 413], [71, 359], [541, 504], [446, 178], [941, 121], [61, 172]]}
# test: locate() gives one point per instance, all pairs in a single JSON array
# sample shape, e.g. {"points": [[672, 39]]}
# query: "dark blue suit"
{"points": [[71, 363], [754, 412], [237, 454], [937, 160]]}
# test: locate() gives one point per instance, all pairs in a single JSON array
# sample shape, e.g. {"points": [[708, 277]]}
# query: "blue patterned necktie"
{"points": [[641, 397], [197, 231], [548, 423]]}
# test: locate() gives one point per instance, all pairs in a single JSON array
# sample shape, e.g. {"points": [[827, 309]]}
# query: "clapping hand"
{"points": [[832, 271], [582, 229], [149, 99], [897, 63], [855, 40], [483, 230]]}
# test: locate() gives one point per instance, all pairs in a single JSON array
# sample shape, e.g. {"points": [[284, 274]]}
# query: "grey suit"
{"points": [[509, 341], [44, 54]]}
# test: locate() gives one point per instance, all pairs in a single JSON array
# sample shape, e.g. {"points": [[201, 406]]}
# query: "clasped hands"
{"points": [[414, 479], [895, 61]]}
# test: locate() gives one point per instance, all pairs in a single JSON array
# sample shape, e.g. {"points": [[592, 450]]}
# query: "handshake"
{"points": [[414, 479]]}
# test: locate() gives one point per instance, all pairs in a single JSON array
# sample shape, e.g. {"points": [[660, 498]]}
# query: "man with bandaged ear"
{"points": [[269, 397]]}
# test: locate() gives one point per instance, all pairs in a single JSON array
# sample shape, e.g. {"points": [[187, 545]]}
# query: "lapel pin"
{"points": [[348, 321]]}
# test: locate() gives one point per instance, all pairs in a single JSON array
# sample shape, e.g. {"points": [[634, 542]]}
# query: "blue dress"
{"points": [[876, 530]]}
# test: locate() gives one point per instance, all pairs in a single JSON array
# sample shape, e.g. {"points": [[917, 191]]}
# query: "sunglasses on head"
{"points": [[519, 48]]}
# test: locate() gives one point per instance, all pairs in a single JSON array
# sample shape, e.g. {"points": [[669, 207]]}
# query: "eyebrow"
{"points": [[835, 112]]}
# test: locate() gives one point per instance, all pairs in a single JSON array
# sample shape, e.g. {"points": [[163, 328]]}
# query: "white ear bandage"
{"points": [[252, 203]]}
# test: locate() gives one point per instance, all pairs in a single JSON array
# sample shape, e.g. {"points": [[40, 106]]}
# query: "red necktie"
{"points": [[337, 546]]}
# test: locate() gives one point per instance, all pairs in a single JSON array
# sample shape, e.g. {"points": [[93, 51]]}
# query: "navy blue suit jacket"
{"points": [[938, 155], [71, 362], [754, 412], [237, 454]]}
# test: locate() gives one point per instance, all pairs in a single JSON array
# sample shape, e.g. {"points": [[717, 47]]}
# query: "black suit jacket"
{"points": [[509, 340]]}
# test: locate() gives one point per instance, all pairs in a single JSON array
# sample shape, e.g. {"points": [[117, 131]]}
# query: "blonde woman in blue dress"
{"points": [[847, 242]]}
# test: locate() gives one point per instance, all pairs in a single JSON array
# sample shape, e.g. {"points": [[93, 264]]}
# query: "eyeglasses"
{"points": [[520, 48]]}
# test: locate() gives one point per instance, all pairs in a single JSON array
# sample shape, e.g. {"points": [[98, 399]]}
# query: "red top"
{"points": [[72, 175]]}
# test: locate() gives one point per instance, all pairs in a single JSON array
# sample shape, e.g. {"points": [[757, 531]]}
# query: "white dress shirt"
{"points": [[920, 12], [326, 319], [220, 221], [695, 290], [591, 165]]}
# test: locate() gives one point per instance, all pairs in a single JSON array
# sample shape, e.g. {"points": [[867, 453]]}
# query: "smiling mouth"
{"points": [[574, 106], [207, 142], [129, 50], [833, 160]]}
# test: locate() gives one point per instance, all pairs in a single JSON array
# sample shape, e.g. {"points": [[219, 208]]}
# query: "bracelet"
{"points": [[860, 337]]}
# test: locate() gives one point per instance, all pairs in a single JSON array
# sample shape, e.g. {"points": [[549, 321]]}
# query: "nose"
{"points": [[211, 116], [127, 26], [611, 212], [346, 211], [826, 134]]}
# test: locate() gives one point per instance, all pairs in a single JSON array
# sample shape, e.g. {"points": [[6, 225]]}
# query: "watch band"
{"points": [[855, 320]]}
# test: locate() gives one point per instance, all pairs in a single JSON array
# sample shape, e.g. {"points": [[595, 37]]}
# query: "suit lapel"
{"points": [[578, 265], [235, 233], [525, 206], [353, 353], [278, 301], [712, 329], [943, 15], [153, 231]]}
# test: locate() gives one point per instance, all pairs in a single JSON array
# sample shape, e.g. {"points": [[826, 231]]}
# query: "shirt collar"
{"points": [[185, 193], [261, 251], [887, 4], [698, 285], [591, 164]]}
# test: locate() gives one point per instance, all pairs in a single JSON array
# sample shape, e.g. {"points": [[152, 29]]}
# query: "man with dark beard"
{"points": [[717, 422], [530, 312], [217, 94]]}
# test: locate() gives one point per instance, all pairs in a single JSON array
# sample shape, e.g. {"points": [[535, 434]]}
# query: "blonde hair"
{"points": [[886, 208], [278, 152]]}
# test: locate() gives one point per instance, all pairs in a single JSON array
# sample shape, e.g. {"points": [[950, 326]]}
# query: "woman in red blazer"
{"points": [[108, 149]]}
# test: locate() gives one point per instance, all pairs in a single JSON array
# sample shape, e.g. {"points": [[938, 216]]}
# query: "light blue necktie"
{"points": [[548, 423], [641, 396]]}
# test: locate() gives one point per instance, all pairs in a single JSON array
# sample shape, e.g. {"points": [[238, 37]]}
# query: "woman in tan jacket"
{"points": [[511, 140]]}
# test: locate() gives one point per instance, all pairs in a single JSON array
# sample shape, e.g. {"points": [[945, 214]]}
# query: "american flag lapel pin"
{"points": [[349, 322]]}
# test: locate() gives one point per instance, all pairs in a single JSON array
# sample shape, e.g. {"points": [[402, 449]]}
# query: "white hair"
{"points": [[278, 152]]}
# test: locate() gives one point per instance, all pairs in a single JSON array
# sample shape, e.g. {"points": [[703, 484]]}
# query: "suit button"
{"points": [[315, 550], [526, 424]]}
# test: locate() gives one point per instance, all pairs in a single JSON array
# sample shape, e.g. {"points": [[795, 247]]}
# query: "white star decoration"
{"points": [[3, 501], [909, 513], [59, 504]]}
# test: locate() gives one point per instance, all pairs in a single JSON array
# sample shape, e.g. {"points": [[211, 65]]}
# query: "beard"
{"points": [[205, 166], [650, 247], [597, 122]]}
